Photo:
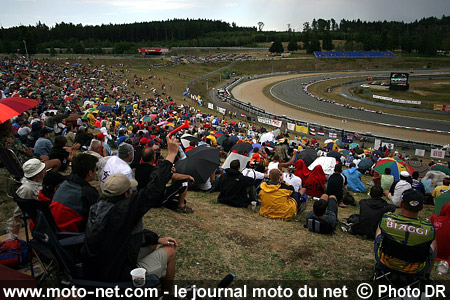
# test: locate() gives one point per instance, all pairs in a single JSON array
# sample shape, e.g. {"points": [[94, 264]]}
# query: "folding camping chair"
{"points": [[411, 254], [30, 208], [12, 164], [70, 272]]}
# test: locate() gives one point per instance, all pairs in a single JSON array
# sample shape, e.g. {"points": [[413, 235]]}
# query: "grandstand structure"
{"points": [[354, 54]]}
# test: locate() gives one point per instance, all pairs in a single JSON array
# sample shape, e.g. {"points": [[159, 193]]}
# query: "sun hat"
{"points": [[32, 167]]}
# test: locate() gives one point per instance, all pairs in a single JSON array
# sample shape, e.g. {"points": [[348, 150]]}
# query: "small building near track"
{"points": [[153, 51]]}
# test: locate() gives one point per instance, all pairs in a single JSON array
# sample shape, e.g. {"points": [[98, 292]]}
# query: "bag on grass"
{"points": [[13, 253]]}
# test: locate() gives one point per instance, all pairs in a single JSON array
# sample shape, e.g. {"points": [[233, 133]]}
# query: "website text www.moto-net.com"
{"points": [[363, 291]]}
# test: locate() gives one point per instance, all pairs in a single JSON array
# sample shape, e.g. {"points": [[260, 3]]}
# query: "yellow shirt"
{"points": [[439, 190]]}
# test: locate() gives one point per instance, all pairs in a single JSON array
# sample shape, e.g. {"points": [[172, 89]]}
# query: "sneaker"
{"points": [[184, 210]]}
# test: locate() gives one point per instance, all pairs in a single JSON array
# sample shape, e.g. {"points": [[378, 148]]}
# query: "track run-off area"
{"points": [[289, 99]]}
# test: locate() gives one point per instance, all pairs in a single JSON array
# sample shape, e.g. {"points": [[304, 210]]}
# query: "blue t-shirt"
{"points": [[42, 147]]}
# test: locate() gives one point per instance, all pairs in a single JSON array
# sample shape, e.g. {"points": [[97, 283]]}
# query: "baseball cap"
{"points": [[117, 184], [101, 135], [412, 200], [144, 140], [32, 167]]}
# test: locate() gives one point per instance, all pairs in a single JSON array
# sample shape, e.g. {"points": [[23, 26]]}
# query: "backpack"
{"points": [[318, 225], [13, 253]]}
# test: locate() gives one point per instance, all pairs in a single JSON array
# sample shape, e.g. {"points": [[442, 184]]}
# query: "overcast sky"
{"points": [[275, 14]]}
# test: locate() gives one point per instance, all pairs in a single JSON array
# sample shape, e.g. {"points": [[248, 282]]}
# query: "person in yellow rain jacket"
{"points": [[276, 198]]}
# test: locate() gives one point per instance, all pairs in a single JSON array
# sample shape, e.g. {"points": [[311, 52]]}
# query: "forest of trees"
{"points": [[424, 36]]}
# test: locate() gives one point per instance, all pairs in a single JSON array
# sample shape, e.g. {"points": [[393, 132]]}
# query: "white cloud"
{"points": [[231, 4], [141, 5]]}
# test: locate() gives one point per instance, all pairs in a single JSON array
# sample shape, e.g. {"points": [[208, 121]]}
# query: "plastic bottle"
{"points": [[442, 267]]}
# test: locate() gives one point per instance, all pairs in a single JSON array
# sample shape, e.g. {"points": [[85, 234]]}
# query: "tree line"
{"points": [[424, 36]]}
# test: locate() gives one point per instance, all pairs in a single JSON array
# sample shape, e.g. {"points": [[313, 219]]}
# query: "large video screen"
{"points": [[399, 79]]}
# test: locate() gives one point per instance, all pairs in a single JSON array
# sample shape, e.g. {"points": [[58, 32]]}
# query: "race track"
{"points": [[291, 92], [252, 92]]}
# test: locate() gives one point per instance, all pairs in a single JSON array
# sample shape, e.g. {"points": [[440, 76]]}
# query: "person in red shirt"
{"points": [[192, 145], [441, 224]]}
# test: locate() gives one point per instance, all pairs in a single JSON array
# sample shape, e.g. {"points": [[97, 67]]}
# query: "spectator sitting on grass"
{"points": [[234, 187], [354, 182], [323, 218], [276, 198], [370, 213]]}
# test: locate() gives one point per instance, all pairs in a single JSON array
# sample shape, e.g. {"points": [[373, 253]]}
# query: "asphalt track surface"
{"points": [[291, 92]]}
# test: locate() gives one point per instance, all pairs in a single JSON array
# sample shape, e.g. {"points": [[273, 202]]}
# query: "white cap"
{"points": [[404, 174]]}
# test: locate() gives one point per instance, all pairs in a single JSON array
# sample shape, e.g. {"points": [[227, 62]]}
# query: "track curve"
{"points": [[291, 92]]}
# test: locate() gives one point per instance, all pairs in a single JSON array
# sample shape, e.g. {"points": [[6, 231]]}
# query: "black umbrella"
{"points": [[359, 151], [200, 163], [378, 152], [334, 154], [242, 147], [365, 164], [308, 155], [220, 139], [105, 108], [234, 139]]}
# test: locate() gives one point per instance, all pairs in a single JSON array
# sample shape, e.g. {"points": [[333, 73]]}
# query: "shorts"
{"points": [[155, 262]]}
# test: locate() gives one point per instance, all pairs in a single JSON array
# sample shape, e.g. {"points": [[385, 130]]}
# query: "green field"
{"points": [[320, 89], [430, 91]]}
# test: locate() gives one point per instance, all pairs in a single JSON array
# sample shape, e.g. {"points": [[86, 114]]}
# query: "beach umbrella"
{"points": [[354, 145], [14, 106], [419, 167], [149, 118], [308, 155], [344, 152], [395, 166], [199, 163], [339, 143], [440, 167], [327, 141], [186, 139], [242, 148], [104, 108]]}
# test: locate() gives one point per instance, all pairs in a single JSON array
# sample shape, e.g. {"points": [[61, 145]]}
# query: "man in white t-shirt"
{"points": [[296, 182], [118, 164], [24, 129]]}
